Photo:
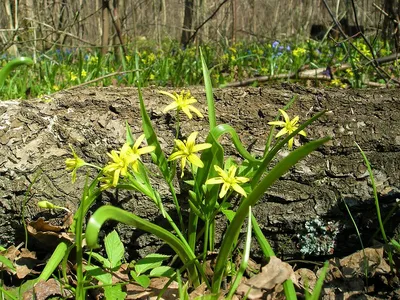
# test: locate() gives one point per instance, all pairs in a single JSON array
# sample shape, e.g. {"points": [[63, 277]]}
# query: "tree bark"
{"points": [[187, 22], [35, 135]]}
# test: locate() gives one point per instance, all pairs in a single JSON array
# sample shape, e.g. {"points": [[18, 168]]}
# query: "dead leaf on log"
{"points": [[46, 289], [268, 283], [48, 233], [135, 291]]}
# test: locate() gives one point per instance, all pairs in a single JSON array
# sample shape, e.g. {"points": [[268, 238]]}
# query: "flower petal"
{"points": [[168, 94], [303, 133], [186, 110], [277, 123], [215, 180], [285, 115], [195, 160], [239, 189], [283, 131], [176, 155], [224, 190], [146, 149], [200, 147], [290, 144], [196, 111], [171, 106], [191, 140]]}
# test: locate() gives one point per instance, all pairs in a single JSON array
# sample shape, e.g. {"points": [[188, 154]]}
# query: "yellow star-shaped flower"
{"points": [[123, 159], [73, 164], [182, 102], [187, 150], [229, 181], [288, 126]]}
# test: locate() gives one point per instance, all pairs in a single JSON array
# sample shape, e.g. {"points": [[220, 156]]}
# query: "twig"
{"points": [[98, 79], [205, 22]]}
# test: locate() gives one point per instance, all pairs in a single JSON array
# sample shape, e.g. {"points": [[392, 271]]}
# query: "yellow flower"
{"points": [[136, 152], [123, 159], [93, 60], [152, 76], [128, 58], [229, 181], [299, 51], [56, 87], [73, 76], [187, 150], [182, 102], [336, 82], [83, 73], [73, 164], [119, 167], [288, 126]]}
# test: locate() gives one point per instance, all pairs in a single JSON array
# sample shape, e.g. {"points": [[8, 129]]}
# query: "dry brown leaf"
{"points": [[45, 289], [355, 264], [271, 277], [135, 291], [306, 278]]}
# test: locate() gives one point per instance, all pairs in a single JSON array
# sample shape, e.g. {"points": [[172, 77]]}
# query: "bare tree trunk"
{"points": [[11, 10], [187, 22], [105, 27], [234, 20]]}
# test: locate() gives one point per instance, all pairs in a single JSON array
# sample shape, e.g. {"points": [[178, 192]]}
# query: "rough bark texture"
{"points": [[34, 139]]}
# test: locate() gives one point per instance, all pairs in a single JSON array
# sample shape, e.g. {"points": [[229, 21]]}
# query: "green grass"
{"points": [[170, 65]]}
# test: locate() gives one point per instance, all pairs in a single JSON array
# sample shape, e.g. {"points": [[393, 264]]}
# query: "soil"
{"points": [[35, 135]]}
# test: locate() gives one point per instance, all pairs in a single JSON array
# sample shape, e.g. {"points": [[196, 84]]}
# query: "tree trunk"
{"points": [[34, 139], [187, 22]]}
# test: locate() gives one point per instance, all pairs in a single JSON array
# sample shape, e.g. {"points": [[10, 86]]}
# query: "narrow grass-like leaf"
{"points": [[209, 93], [245, 259], [262, 241], [54, 260], [289, 290], [234, 228], [15, 63], [108, 212], [320, 282]]}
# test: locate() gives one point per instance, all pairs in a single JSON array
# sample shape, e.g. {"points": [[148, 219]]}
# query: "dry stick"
{"points": [[62, 32], [205, 22], [377, 68], [99, 79], [118, 30]]}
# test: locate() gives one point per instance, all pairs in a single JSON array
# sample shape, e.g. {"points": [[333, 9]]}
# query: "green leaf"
{"points": [[7, 263], [15, 63], [104, 261], [114, 292], [162, 271], [209, 93], [151, 261], [99, 273], [234, 227], [114, 248], [229, 214], [143, 280]]}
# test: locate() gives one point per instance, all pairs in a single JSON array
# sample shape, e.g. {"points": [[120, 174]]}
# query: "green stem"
{"points": [[105, 213], [15, 63], [233, 230]]}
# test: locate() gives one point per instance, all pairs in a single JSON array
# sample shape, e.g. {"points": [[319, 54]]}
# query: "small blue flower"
{"points": [[275, 44]]}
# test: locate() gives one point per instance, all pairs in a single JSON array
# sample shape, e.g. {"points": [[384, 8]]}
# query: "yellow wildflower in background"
{"points": [[73, 164], [83, 73], [182, 102], [73, 76], [187, 150], [288, 126], [229, 181], [299, 52]]}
